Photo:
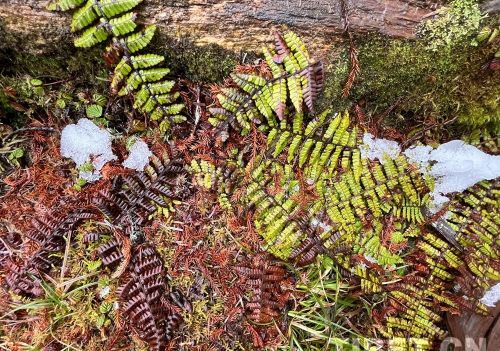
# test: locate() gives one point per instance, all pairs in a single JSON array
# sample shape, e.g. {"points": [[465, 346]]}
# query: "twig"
{"points": [[422, 132], [353, 51], [66, 254], [197, 109], [31, 129], [442, 226]]}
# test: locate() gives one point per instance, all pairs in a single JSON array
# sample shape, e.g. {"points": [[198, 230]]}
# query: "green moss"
{"points": [[455, 23], [207, 63], [423, 82]]}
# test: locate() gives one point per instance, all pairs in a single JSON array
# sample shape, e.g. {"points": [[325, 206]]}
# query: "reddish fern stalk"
{"points": [[353, 51]]}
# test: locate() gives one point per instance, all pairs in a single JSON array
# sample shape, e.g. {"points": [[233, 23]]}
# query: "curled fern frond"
{"points": [[49, 234]]}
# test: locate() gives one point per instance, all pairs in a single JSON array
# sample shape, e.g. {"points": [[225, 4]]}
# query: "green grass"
{"points": [[320, 321]]}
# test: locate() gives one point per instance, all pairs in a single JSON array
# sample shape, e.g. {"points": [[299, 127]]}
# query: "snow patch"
{"points": [[455, 166], [374, 148], [419, 155], [104, 292], [139, 156], [85, 142], [459, 166], [491, 296], [317, 223]]}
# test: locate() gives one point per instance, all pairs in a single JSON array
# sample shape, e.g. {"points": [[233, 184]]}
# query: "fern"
{"points": [[317, 147], [366, 215], [49, 234], [133, 198], [474, 217], [142, 299], [295, 82], [264, 277], [64, 5], [133, 75]]}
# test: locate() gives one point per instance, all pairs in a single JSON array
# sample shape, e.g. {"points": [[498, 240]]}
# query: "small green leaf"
{"points": [[86, 167], [36, 82], [61, 103], [94, 111], [17, 153], [99, 99], [38, 90], [105, 307], [79, 183], [100, 321], [93, 266]]}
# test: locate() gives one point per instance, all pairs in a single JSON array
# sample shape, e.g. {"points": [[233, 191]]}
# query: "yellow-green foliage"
{"points": [[295, 81], [475, 218], [136, 75], [454, 23], [318, 146], [351, 192], [367, 215]]}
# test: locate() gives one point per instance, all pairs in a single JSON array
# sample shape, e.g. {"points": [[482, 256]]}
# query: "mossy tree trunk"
{"points": [[191, 27], [231, 24]]}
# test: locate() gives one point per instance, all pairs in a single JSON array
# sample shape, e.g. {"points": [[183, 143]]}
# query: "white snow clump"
{"points": [[85, 142], [139, 156], [492, 296], [374, 148], [455, 167]]}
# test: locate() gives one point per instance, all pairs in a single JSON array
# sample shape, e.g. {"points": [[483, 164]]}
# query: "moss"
{"points": [[208, 63], [455, 23], [442, 84]]}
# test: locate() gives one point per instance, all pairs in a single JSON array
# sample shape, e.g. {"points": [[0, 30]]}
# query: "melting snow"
{"points": [[85, 142], [492, 296], [455, 166], [139, 156], [373, 148]]}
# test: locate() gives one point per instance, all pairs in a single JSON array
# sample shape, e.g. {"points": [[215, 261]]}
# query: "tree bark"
{"points": [[232, 24]]}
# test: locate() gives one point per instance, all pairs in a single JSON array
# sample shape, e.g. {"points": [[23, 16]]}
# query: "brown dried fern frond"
{"points": [[142, 298], [314, 245], [49, 233], [132, 198], [265, 277], [110, 253]]}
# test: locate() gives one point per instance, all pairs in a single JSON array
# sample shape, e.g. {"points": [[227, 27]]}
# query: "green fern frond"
{"points": [[132, 73], [94, 9], [64, 5], [324, 144], [129, 63], [138, 41], [142, 76], [91, 37], [111, 8], [263, 101], [84, 16], [121, 25], [411, 211]]}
